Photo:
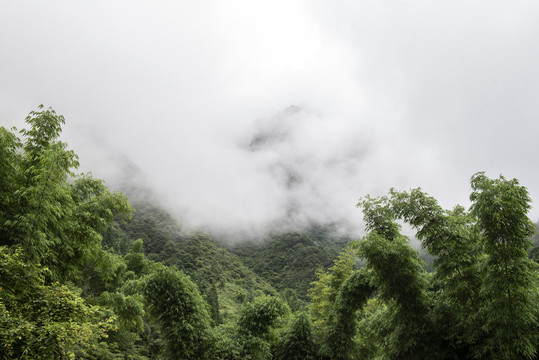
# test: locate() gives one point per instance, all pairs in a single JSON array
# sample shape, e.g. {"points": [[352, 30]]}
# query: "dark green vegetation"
{"points": [[289, 261], [82, 276]]}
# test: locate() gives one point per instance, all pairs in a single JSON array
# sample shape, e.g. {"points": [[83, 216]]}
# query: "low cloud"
{"points": [[242, 116]]}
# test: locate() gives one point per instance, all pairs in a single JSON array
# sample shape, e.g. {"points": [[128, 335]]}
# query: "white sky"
{"points": [[392, 94]]}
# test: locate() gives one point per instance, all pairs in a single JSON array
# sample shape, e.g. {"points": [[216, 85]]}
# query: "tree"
{"points": [[135, 259], [481, 300], [509, 287], [40, 166], [353, 294], [324, 291], [55, 216], [297, 341], [452, 238], [10, 178], [39, 321], [255, 324], [181, 312], [397, 273], [50, 229]]}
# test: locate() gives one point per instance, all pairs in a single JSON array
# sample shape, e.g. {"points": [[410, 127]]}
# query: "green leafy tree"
{"points": [[398, 275], [10, 178], [37, 169], [212, 298], [372, 330], [297, 340], [129, 322], [255, 324], [481, 300], [323, 292], [50, 231], [183, 315], [55, 216], [41, 321], [509, 312], [451, 237], [95, 207], [353, 294], [135, 258], [397, 272], [259, 316], [534, 251]]}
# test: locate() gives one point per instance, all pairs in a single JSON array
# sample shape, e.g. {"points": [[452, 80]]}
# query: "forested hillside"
{"points": [[84, 274], [220, 275], [290, 260]]}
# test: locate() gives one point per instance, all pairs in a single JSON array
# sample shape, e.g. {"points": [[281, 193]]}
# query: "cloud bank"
{"points": [[240, 114]]}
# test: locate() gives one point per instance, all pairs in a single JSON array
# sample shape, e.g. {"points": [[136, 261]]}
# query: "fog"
{"points": [[244, 115]]}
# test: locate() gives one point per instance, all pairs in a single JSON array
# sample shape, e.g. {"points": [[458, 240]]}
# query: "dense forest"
{"points": [[85, 274]]}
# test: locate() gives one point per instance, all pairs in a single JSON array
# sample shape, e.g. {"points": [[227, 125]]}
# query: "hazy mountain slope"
{"points": [[219, 274], [290, 260]]}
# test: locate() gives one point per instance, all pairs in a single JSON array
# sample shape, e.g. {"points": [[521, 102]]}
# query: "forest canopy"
{"points": [[80, 279]]}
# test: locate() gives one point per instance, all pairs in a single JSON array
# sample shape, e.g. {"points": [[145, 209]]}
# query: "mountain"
{"points": [[219, 274], [291, 260]]}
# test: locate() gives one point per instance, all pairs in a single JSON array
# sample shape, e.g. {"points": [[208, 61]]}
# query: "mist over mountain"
{"points": [[295, 168], [242, 116], [308, 165]]}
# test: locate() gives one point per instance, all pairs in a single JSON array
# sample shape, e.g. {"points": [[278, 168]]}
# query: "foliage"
{"points": [[510, 278], [324, 290], [353, 294], [50, 225], [220, 275], [181, 312], [288, 260], [153, 225], [43, 321], [135, 259], [398, 275], [259, 316], [481, 301], [534, 251], [297, 340], [55, 216], [255, 324], [372, 330]]}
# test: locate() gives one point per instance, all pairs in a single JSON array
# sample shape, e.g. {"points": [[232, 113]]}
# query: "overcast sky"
{"points": [[245, 112]]}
